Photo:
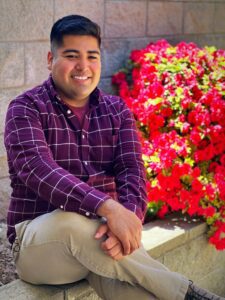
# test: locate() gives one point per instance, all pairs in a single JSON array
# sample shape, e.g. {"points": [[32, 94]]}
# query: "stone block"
{"points": [[174, 40], [5, 191], [219, 25], [139, 43], [201, 40], [194, 259], [169, 239], [164, 18], [125, 18], [2, 147], [198, 17], [36, 63], [25, 20], [20, 290], [3, 230], [3, 160], [11, 64], [114, 56], [81, 290], [115, 53], [160, 259], [89, 8], [160, 237], [106, 85], [198, 230], [6, 95], [217, 40], [3, 167], [214, 281]]}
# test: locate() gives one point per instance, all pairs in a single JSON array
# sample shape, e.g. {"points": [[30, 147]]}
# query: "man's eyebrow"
{"points": [[76, 51]]}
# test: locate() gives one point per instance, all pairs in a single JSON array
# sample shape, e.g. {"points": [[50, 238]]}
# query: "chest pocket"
{"points": [[102, 146]]}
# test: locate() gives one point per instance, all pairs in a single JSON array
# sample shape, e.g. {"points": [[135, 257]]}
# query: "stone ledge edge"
{"points": [[161, 236]]}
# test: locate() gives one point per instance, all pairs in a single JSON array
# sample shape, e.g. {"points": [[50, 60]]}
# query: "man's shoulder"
{"points": [[36, 94], [109, 98], [113, 102]]}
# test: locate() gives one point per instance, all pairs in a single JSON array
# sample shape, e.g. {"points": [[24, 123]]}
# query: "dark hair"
{"points": [[73, 25]]}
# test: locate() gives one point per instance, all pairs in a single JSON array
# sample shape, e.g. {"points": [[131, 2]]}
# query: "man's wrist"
{"points": [[108, 207]]}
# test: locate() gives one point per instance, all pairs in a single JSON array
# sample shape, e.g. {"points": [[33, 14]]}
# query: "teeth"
{"points": [[80, 77]]}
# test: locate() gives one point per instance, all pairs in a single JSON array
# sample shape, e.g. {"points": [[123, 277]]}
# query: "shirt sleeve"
{"points": [[32, 160], [129, 167]]}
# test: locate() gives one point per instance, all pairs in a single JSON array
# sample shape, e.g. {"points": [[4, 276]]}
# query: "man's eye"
{"points": [[71, 56], [92, 57]]}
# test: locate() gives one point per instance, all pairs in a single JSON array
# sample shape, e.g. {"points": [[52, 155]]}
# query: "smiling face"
{"points": [[76, 68]]}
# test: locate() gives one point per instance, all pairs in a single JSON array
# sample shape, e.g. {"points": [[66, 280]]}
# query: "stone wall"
{"points": [[181, 244], [126, 24]]}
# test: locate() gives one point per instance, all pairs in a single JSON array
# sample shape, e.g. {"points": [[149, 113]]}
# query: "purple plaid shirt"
{"points": [[54, 163]]}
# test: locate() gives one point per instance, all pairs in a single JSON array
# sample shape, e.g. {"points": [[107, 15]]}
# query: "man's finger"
{"points": [[102, 230], [126, 246], [118, 257], [109, 243], [115, 251]]}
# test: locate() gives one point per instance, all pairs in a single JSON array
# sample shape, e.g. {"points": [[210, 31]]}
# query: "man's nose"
{"points": [[82, 64]]}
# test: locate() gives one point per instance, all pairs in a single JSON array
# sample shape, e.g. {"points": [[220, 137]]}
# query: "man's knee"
{"points": [[77, 226], [61, 226]]}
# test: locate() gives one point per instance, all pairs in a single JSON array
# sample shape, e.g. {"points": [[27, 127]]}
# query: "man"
{"points": [[79, 198]]}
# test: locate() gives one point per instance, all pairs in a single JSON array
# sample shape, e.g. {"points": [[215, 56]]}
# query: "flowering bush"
{"points": [[177, 95]]}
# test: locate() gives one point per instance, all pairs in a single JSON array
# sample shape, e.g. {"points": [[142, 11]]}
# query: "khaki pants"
{"points": [[59, 247]]}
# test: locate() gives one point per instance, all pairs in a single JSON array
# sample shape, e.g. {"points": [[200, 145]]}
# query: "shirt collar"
{"points": [[95, 97]]}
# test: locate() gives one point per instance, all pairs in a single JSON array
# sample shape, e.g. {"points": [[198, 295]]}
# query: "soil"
{"points": [[7, 267]]}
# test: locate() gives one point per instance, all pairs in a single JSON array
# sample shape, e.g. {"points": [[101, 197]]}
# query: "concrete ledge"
{"points": [[161, 236], [20, 290], [181, 244], [178, 242]]}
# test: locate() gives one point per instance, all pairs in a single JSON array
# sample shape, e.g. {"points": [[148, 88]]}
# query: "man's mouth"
{"points": [[80, 77]]}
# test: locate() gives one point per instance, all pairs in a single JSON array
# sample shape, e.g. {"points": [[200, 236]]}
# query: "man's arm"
{"points": [[33, 162], [124, 218], [129, 169]]}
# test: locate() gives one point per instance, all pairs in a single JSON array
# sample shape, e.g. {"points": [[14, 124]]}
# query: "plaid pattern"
{"points": [[53, 163]]}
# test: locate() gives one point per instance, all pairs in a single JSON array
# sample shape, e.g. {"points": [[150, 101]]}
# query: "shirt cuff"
{"points": [[91, 203]]}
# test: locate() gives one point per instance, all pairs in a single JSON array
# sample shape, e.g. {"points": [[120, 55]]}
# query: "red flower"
{"points": [[166, 112], [118, 78], [195, 136], [163, 211], [206, 154], [218, 238], [207, 212], [222, 160]]}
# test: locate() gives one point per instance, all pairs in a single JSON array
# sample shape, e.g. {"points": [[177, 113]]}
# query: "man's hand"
{"points": [[123, 224], [111, 246]]}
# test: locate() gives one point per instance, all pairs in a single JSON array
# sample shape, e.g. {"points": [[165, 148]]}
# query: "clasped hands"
{"points": [[122, 230]]}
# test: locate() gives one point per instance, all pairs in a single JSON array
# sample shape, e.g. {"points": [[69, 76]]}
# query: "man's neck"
{"points": [[76, 103]]}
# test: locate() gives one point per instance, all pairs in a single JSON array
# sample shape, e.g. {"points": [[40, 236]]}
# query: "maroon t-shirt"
{"points": [[80, 112]]}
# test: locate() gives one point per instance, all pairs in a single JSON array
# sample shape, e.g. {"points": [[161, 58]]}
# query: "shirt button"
{"points": [[69, 111], [83, 136], [87, 214], [61, 206]]}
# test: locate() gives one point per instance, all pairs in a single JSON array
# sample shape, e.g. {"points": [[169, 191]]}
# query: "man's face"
{"points": [[76, 68]]}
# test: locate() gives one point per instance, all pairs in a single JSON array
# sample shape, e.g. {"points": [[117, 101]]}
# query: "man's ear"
{"points": [[50, 59]]}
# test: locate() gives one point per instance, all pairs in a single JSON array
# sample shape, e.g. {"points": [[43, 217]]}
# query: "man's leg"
{"points": [[60, 247], [113, 289]]}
